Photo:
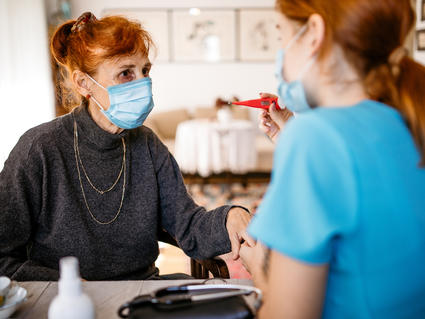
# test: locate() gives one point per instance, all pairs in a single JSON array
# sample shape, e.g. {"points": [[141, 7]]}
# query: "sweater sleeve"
{"points": [[20, 202], [200, 233]]}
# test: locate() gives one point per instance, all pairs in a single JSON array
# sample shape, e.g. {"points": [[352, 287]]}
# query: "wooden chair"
{"points": [[200, 269]]}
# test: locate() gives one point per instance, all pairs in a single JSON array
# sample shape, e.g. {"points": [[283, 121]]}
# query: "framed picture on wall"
{"points": [[420, 40], [156, 23], [205, 35], [258, 35]]}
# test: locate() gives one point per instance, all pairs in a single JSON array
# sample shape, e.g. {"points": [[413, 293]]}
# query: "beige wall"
{"points": [[418, 55]]}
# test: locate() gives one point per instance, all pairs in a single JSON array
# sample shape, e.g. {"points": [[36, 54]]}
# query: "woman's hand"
{"points": [[255, 259], [236, 224], [273, 120], [247, 256]]}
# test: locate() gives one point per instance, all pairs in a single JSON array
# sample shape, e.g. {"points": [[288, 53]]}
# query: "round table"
{"points": [[205, 147]]}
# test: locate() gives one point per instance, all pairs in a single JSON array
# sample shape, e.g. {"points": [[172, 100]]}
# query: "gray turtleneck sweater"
{"points": [[43, 215]]}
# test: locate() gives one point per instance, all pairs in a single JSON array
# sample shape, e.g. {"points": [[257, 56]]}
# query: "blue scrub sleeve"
{"points": [[312, 199]]}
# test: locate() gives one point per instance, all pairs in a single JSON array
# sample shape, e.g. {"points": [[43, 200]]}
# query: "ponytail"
{"points": [[411, 101], [59, 47], [381, 85], [401, 86], [59, 43]]}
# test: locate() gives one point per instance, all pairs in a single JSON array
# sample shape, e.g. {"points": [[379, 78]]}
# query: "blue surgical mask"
{"points": [[130, 102], [292, 94]]}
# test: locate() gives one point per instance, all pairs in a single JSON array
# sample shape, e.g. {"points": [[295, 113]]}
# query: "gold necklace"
{"points": [[123, 168], [87, 177]]}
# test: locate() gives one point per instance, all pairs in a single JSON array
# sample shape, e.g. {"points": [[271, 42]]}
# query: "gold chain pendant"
{"points": [[123, 169]]}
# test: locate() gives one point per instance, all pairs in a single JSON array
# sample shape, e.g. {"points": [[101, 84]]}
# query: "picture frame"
{"points": [[420, 40], [156, 22], [258, 35], [207, 36]]}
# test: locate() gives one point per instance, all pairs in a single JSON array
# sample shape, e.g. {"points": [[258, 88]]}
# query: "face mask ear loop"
{"points": [[290, 44], [92, 97], [96, 82], [307, 67], [98, 104], [296, 37]]}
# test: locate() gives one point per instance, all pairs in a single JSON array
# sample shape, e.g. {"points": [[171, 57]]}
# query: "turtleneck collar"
{"points": [[90, 132]]}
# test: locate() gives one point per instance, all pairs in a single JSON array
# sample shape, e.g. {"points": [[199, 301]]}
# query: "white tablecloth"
{"points": [[207, 147]]}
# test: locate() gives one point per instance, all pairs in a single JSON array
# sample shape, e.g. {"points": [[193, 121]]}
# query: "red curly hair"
{"points": [[86, 47]]}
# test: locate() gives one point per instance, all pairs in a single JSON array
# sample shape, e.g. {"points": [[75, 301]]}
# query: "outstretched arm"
{"points": [[200, 233]]}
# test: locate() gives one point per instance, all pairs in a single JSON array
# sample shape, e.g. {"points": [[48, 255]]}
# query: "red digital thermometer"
{"points": [[263, 103]]}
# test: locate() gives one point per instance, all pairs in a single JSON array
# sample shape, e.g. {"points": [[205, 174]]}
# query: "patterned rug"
{"points": [[212, 195]]}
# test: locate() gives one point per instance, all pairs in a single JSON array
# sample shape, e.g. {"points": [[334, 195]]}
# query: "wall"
{"points": [[189, 85], [419, 55], [25, 79]]}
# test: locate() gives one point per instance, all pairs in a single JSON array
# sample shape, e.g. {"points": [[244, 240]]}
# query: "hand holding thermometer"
{"points": [[263, 103]]}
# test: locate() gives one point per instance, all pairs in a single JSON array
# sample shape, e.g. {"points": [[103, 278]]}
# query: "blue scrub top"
{"points": [[347, 190]]}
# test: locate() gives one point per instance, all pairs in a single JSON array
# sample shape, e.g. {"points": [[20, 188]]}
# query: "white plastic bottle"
{"points": [[71, 302]]}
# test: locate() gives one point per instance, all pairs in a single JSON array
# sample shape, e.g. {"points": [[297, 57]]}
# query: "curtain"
{"points": [[26, 89]]}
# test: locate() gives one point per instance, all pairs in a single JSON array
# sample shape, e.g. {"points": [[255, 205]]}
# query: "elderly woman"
{"points": [[95, 183]]}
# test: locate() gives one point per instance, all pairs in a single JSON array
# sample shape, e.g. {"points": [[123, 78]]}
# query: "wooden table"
{"points": [[107, 296]]}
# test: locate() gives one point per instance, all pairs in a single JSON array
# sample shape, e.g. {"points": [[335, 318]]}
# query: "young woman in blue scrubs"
{"points": [[343, 221]]}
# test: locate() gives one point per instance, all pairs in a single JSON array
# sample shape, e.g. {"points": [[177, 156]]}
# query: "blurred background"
{"points": [[26, 75], [209, 52]]}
